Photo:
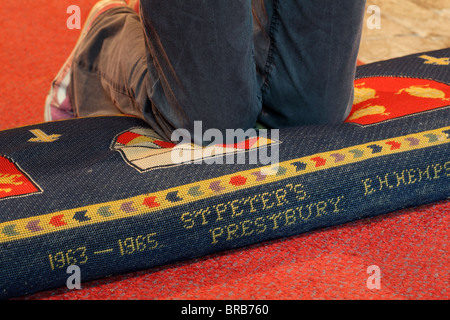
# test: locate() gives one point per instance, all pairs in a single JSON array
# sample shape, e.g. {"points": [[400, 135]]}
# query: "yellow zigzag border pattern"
{"points": [[153, 202]]}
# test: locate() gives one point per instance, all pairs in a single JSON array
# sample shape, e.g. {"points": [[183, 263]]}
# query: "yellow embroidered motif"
{"points": [[369, 111], [363, 94], [9, 179], [435, 61], [424, 92], [41, 136]]}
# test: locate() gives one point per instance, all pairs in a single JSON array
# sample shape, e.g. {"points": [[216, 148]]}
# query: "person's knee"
{"points": [[216, 127], [333, 108], [308, 108], [211, 125]]}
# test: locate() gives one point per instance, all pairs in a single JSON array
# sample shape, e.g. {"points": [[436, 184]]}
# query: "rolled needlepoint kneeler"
{"points": [[102, 193]]}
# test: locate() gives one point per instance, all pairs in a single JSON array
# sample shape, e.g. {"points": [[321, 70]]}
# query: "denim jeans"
{"points": [[227, 63]]}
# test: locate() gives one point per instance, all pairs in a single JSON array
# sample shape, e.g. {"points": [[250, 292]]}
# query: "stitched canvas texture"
{"points": [[105, 193]]}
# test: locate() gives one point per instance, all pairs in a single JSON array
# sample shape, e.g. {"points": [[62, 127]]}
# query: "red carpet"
{"points": [[409, 246]]}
